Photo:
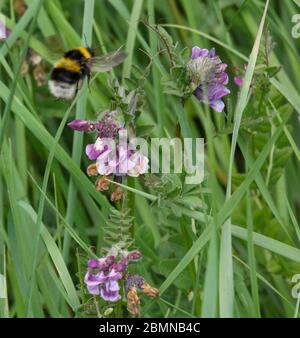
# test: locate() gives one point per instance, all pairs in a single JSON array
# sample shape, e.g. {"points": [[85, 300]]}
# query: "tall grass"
{"points": [[227, 247]]}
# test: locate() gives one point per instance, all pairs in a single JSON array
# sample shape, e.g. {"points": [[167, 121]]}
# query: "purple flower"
{"points": [[208, 77], [109, 125], [122, 161], [104, 284], [133, 256], [4, 31], [121, 265], [110, 291], [140, 164], [112, 275], [103, 263], [81, 125], [93, 263], [92, 283], [101, 148], [103, 275], [238, 81], [135, 281]]}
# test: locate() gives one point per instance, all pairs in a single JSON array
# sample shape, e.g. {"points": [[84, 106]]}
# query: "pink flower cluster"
{"points": [[208, 74], [116, 159], [104, 273], [111, 157]]}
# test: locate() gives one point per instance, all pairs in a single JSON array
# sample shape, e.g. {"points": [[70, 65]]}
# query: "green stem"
{"points": [[131, 203]]}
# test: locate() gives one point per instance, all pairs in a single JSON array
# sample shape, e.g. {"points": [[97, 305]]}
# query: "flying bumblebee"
{"points": [[68, 73]]}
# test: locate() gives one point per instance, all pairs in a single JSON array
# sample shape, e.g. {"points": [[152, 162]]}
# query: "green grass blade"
{"points": [[131, 36], [56, 257], [36, 6], [226, 285], [77, 146]]}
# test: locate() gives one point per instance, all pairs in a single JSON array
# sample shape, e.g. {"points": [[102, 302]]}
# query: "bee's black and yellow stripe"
{"points": [[73, 66]]}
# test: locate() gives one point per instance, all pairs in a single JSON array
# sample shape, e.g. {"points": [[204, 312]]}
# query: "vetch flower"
{"points": [[103, 275], [109, 125], [93, 263], [136, 281], [110, 291], [103, 263], [81, 125], [105, 285], [140, 164], [208, 78], [101, 148], [121, 161], [92, 282], [238, 81], [133, 256], [121, 266], [132, 284], [4, 31], [105, 282]]}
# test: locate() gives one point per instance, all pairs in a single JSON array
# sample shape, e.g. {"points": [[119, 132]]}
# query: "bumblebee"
{"points": [[68, 73]]}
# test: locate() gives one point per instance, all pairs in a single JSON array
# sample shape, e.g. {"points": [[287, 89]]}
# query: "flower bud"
{"points": [[238, 81], [121, 265], [80, 125], [93, 263], [134, 255], [136, 281]]}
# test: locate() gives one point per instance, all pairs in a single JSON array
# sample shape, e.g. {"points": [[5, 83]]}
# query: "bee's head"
{"points": [[91, 51]]}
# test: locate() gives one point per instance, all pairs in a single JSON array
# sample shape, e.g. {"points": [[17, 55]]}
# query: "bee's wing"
{"points": [[56, 48], [106, 62]]}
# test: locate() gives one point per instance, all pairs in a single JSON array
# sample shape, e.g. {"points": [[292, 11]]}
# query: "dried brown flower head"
{"points": [[102, 183], [133, 302], [39, 75], [24, 68], [33, 57], [149, 290], [117, 194], [92, 170], [20, 7]]}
